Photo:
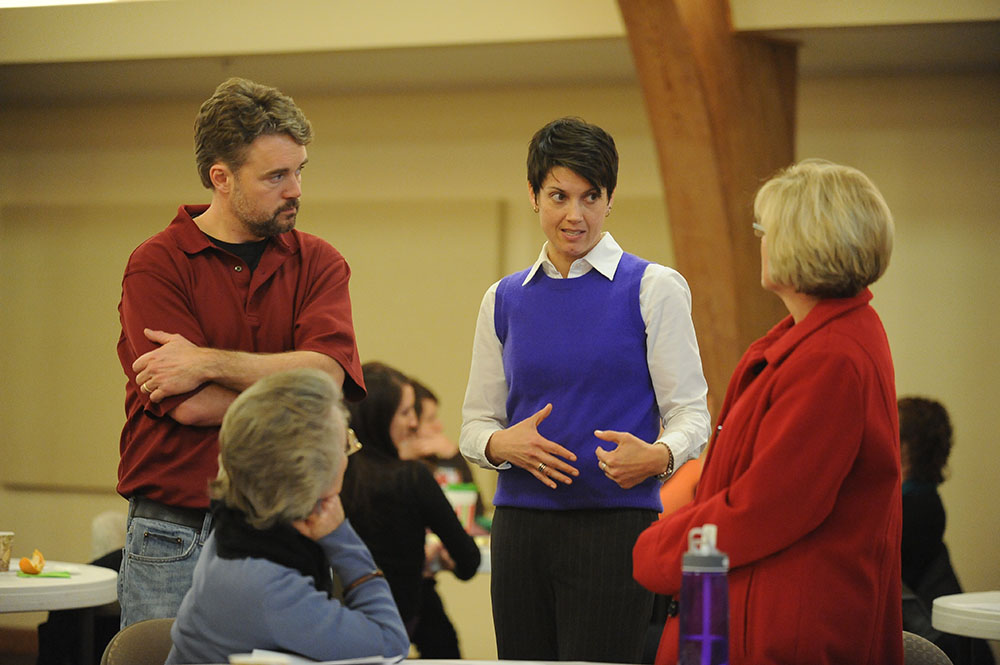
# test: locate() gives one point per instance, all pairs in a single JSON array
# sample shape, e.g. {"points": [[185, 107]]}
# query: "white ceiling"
{"points": [[928, 47]]}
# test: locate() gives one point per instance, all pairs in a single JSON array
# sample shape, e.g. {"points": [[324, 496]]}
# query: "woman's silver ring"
{"points": [[604, 466], [541, 467]]}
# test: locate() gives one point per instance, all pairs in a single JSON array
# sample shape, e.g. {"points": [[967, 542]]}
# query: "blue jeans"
{"points": [[157, 567]]}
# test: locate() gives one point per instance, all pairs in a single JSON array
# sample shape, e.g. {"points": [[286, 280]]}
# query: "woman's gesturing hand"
{"points": [[523, 446], [632, 460]]}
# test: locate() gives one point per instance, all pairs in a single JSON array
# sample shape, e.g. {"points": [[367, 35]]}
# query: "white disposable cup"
{"points": [[464, 503], [6, 544]]}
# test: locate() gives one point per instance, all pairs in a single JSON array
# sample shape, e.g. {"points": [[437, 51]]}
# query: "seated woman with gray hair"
{"points": [[264, 577], [802, 474]]}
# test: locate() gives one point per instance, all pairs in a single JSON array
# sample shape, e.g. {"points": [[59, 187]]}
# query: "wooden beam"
{"points": [[722, 110]]}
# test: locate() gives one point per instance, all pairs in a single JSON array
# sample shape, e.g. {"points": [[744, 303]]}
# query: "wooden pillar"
{"points": [[722, 110]]}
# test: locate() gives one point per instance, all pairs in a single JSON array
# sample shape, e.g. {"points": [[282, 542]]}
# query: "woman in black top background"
{"points": [[392, 503], [925, 436]]}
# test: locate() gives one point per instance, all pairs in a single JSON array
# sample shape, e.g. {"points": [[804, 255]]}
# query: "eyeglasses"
{"points": [[352, 444], [758, 230]]}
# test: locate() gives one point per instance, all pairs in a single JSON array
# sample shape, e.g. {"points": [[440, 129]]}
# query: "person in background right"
{"points": [[925, 437], [434, 448], [802, 475]]}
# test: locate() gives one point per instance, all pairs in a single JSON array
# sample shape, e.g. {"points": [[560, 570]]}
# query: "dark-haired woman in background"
{"points": [[925, 437], [925, 443], [393, 502], [435, 635]]}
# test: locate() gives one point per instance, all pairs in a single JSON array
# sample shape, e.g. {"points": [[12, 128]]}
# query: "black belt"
{"points": [[153, 510]]}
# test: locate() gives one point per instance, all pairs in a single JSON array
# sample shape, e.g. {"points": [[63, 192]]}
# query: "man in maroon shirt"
{"points": [[226, 294]]}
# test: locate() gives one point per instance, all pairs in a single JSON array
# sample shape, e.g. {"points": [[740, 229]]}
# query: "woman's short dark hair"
{"points": [[925, 435], [572, 143], [234, 116]]}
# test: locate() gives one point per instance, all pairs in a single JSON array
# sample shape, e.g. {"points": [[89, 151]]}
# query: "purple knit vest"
{"points": [[580, 344]]}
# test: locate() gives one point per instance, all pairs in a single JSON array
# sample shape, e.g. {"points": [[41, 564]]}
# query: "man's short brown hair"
{"points": [[235, 115]]}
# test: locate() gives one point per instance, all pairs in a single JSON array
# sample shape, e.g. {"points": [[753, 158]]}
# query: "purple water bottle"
{"points": [[704, 610]]}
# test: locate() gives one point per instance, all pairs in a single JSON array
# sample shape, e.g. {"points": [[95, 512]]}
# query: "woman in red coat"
{"points": [[802, 476]]}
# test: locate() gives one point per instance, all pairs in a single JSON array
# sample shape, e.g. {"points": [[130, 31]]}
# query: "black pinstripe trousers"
{"points": [[562, 584]]}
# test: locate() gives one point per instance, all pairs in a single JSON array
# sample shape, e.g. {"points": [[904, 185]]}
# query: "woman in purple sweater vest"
{"points": [[585, 392]]}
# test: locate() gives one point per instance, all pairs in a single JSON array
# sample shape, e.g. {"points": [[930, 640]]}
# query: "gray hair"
{"points": [[829, 232], [281, 444]]}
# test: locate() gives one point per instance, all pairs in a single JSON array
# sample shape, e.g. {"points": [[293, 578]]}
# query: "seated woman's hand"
{"points": [[323, 520], [523, 446]]}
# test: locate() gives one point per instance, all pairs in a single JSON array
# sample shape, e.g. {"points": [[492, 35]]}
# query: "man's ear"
{"points": [[221, 178]]}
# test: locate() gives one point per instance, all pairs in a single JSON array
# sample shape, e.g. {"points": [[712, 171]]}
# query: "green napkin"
{"points": [[56, 573], [461, 486]]}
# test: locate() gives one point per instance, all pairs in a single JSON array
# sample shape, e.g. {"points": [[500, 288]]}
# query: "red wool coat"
{"points": [[803, 480]]}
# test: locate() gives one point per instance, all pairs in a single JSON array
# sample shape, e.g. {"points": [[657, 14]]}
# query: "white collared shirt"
{"points": [[671, 354]]}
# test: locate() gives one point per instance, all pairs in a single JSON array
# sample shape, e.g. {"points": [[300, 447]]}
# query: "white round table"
{"points": [[87, 586], [971, 614]]}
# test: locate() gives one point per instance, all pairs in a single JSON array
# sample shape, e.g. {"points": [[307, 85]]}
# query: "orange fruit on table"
{"points": [[34, 565]]}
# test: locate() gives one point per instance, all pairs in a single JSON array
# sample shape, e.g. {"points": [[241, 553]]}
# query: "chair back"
{"points": [[920, 651], [142, 643]]}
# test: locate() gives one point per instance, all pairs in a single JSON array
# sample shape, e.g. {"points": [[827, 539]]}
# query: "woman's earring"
{"points": [[535, 208], [608, 211]]}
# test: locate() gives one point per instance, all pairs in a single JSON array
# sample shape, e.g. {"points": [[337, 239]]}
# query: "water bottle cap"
{"points": [[705, 563], [702, 555]]}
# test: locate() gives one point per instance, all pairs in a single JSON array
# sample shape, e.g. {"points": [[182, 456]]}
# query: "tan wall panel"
{"points": [[418, 273], [930, 143], [62, 398], [468, 605]]}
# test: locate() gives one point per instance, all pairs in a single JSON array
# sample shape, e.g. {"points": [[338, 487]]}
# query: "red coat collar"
{"points": [[782, 339]]}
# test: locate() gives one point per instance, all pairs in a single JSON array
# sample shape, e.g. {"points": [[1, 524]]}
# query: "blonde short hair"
{"points": [[281, 444], [828, 230]]}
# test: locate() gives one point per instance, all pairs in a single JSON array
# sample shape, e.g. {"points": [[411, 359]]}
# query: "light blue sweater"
{"points": [[237, 605]]}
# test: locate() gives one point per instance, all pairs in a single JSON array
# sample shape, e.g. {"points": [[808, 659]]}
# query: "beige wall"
{"points": [[931, 144], [425, 195]]}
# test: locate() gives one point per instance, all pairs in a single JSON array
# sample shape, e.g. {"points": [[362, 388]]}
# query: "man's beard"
{"points": [[268, 227]]}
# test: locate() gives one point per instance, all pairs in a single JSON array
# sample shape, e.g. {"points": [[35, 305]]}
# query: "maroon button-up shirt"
{"points": [[178, 281]]}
